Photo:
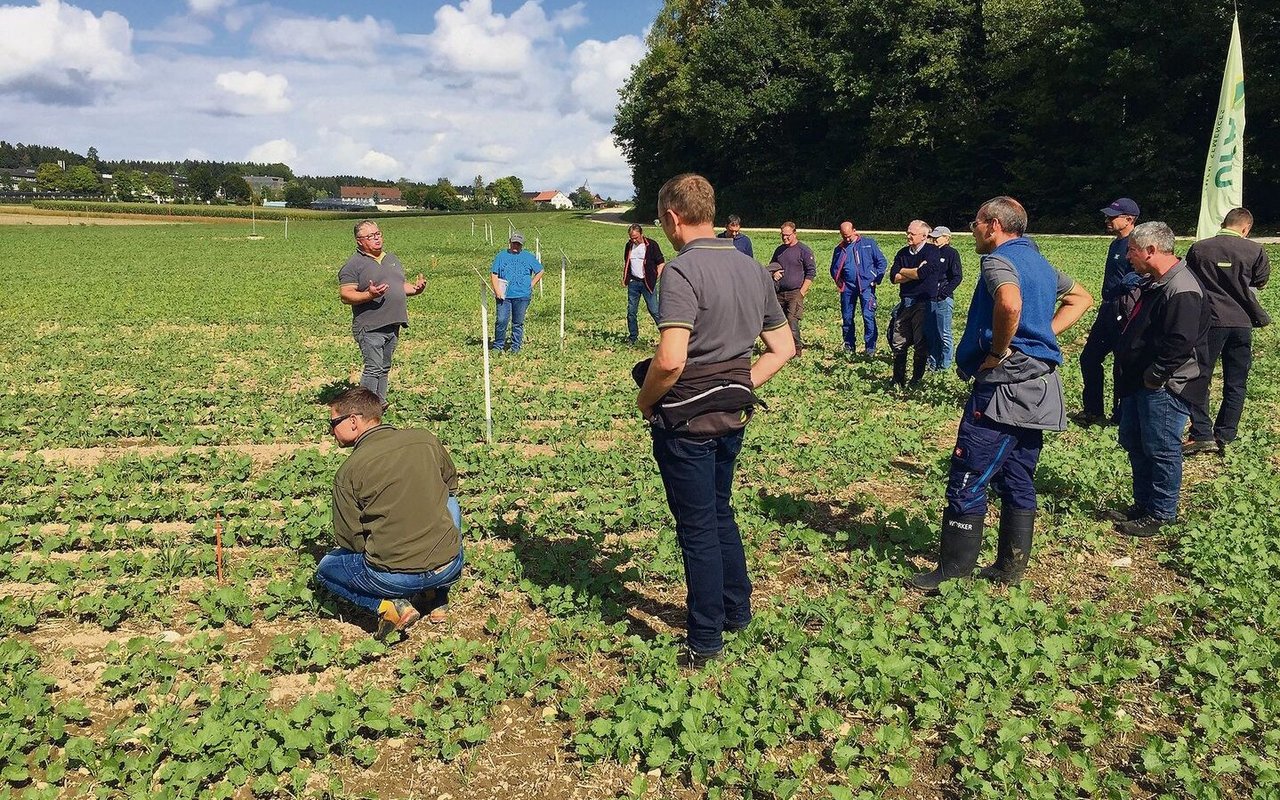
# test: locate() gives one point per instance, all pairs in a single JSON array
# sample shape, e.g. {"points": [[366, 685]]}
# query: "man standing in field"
{"points": [[513, 275], [715, 302], [1157, 362], [733, 232], [794, 268], [941, 307], [857, 267], [372, 282], [1231, 268], [1120, 218], [916, 269], [395, 518], [642, 264], [1010, 348]]}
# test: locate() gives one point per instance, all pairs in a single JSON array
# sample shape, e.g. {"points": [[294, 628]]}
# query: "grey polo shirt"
{"points": [[725, 299], [390, 309]]}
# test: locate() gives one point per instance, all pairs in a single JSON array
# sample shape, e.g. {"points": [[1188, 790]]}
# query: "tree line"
{"points": [[886, 110]]}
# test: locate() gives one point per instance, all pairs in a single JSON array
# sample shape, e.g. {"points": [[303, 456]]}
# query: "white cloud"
{"points": [[208, 7], [274, 151], [379, 165], [471, 38], [599, 70], [60, 54], [250, 93], [341, 39]]}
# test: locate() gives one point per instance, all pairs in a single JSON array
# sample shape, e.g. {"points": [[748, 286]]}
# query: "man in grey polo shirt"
{"points": [[715, 301], [372, 282]]}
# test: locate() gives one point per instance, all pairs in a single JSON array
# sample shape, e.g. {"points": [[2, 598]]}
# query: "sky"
{"points": [[420, 89]]}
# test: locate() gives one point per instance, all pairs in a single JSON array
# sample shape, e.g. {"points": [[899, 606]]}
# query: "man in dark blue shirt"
{"points": [[733, 231], [1121, 216], [915, 269], [938, 331]]}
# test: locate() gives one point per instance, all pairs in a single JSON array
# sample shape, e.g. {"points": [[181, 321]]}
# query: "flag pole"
{"points": [[1222, 188]]}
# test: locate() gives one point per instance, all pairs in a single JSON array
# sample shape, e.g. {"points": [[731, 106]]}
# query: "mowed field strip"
{"points": [[161, 383]]}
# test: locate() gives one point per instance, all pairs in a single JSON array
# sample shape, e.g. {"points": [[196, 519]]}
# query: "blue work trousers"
{"points": [[866, 301], [698, 477], [991, 454]]}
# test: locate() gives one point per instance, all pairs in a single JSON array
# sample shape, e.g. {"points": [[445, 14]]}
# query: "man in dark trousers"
{"points": [[942, 306], [794, 268], [915, 269], [1010, 348], [1231, 268], [642, 264], [1120, 217], [1156, 362], [715, 303]]}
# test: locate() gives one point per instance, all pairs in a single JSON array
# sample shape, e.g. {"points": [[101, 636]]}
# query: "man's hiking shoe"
{"points": [[1192, 447], [395, 615], [1121, 515], [1143, 527]]}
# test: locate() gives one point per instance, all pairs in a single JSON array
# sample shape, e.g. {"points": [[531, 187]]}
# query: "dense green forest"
{"points": [[885, 110]]}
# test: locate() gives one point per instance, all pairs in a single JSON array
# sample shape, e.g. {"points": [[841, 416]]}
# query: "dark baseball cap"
{"points": [[1122, 207]]}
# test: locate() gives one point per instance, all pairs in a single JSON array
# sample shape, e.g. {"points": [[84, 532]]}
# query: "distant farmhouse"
{"points": [[466, 194], [352, 198], [552, 198], [19, 179], [261, 184]]}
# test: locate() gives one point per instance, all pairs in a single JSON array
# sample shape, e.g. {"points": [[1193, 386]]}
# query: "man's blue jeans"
{"points": [[698, 477], [376, 348], [635, 290], [349, 576], [938, 333], [866, 300], [1151, 423], [511, 310]]}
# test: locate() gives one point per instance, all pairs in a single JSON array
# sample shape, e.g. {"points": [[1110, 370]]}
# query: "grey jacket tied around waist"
{"points": [[707, 400]]}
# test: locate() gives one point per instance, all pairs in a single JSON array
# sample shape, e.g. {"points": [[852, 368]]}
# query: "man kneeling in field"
{"points": [[397, 523]]}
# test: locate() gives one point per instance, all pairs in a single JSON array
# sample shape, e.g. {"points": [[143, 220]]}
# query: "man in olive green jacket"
{"points": [[396, 521]]}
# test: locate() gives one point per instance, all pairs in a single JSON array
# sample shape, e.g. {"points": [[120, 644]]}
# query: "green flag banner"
{"points": [[1223, 187]]}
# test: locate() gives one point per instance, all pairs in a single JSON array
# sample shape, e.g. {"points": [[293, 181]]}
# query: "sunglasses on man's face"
{"points": [[336, 421]]}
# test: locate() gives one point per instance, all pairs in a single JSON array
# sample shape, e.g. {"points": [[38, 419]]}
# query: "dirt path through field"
{"points": [[71, 219]]}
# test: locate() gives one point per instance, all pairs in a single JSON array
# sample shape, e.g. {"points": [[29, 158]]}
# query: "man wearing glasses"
{"points": [[1010, 348], [372, 282], [396, 522]]}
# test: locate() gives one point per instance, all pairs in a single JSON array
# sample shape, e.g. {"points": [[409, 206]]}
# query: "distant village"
{"points": [[72, 176]]}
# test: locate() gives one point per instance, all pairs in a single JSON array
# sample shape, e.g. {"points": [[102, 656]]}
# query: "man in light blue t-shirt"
{"points": [[513, 275]]}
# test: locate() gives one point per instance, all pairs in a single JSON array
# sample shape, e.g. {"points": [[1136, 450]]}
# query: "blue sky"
{"points": [[414, 89]]}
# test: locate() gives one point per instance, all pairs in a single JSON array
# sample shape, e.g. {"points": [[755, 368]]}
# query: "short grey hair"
{"points": [[635, 228], [1010, 213], [1153, 233], [363, 224], [919, 223]]}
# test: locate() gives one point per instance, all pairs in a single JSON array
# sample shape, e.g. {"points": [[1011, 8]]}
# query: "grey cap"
{"points": [[516, 237], [939, 232]]}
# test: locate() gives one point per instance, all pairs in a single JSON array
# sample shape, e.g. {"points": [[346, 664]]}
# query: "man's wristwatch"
{"points": [[1008, 351]]}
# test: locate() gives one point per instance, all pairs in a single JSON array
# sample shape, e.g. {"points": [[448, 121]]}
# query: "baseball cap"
{"points": [[1122, 207], [939, 232], [516, 237]]}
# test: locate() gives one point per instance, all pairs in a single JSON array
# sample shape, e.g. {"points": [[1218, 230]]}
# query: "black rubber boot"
{"points": [[960, 541], [1013, 550], [900, 368]]}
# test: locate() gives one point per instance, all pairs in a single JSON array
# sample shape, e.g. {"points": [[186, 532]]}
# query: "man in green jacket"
{"points": [[397, 524]]}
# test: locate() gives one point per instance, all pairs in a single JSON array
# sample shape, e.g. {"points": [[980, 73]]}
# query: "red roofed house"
{"points": [[552, 199], [386, 198]]}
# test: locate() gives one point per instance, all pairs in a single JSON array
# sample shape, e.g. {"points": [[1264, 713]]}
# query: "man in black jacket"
{"points": [[916, 269], [642, 265], [1157, 358], [1231, 268], [941, 307]]}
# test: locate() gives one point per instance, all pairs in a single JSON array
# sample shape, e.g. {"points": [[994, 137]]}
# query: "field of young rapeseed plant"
{"points": [[160, 385]]}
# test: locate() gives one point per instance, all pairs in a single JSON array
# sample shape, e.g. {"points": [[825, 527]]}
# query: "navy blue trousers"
{"points": [[992, 455]]}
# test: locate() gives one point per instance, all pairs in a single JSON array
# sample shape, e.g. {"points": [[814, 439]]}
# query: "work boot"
{"points": [[900, 368], [1013, 550], [959, 543]]}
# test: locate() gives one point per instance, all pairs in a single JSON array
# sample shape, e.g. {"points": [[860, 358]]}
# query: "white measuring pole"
{"points": [[286, 227], [484, 346], [564, 262], [473, 226], [537, 253]]}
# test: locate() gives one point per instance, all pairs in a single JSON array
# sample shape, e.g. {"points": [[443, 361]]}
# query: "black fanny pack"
{"points": [[708, 400]]}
